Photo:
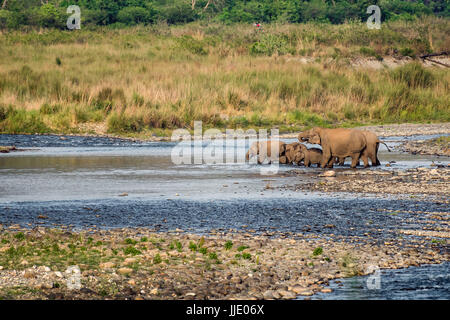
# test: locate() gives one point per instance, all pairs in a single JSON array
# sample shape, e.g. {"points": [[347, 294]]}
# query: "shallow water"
{"points": [[110, 183], [430, 282], [86, 168]]}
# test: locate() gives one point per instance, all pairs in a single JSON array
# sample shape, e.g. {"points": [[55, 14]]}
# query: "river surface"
{"points": [[110, 183]]}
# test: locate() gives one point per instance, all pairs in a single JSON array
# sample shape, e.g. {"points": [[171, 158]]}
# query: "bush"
{"points": [[122, 123], [407, 52], [11, 19], [49, 16], [178, 13], [21, 121], [370, 52], [192, 45], [270, 44], [413, 75], [134, 15], [49, 109]]}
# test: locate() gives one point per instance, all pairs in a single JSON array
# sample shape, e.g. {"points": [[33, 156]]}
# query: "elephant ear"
{"points": [[282, 147]]}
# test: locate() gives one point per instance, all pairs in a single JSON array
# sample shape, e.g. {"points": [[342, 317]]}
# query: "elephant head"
{"points": [[309, 134], [292, 150], [315, 139], [299, 156]]}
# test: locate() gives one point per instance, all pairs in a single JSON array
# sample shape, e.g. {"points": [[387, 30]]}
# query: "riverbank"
{"points": [[438, 146], [415, 182], [386, 130], [140, 264], [142, 82]]}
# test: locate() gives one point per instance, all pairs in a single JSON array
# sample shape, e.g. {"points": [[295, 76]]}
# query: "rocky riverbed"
{"points": [[139, 264], [414, 182], [245, 236], [437, 146], [397, 130]]}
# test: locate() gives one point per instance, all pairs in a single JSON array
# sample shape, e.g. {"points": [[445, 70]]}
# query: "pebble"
{"points": [[124, 271], [329, 173], [107, 265]]}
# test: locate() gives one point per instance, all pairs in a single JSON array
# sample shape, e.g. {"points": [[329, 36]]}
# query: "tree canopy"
{"points": [[52, 13]]}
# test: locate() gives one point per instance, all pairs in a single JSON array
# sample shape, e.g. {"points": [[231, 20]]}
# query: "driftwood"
{"points": [[427, 57]]}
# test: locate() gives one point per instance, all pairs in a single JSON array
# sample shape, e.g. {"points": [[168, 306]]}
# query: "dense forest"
{"points": [[17, 14]]}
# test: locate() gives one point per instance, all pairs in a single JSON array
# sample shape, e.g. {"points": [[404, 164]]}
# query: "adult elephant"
{"points": [[271, 150], [371, 151], [339, 143]]}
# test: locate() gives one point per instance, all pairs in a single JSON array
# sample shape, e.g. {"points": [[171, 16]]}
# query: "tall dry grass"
{"points": [[155, 79]]}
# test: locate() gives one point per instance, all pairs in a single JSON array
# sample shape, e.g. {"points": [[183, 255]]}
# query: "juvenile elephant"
{"points": [[292, 149], [309, 156], [339, 143], [270, 150]]}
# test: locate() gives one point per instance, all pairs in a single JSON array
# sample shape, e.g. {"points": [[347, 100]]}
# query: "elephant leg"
{"points": [[365, 159], [341, 161], [261, 159], [377, 161], [355, 160], [373, 160], [325, 159], [306, 162], [331, 162]]}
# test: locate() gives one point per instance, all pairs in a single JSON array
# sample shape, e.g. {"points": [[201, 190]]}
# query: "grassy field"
{"points": [[149, 80]]}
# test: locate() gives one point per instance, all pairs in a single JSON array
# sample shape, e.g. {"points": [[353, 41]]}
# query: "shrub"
{"points": [[414, 75], [157, 259], [270, 44], [192, 45], [131, 250], [49, 109], [370, 52], [317, 251], [228, 245], [134, 15], [21, 121], [407, 52], [50, 16]]}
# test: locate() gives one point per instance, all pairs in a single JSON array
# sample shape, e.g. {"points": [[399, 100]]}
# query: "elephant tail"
{"points": [[384, 144]]}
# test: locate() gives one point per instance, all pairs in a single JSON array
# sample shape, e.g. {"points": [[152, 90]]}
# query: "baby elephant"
{"points": [[309, 156], [270, 150], [291, 151]]}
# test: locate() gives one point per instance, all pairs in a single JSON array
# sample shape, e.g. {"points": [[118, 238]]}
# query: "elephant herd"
{"points": [[337, 144]]}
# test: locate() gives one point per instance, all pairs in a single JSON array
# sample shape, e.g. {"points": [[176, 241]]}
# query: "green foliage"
{"points": [[120, 13], [192, 45], [270, 44], [228, 245], [370, 52], [130, 241], [192, 246], [19, 236], [50, 109], [317, 251], [407, 52], [414, 75], [131, 250], [242, 248], [21, 121], [135, 15], [157, 259], [246, 256]]}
